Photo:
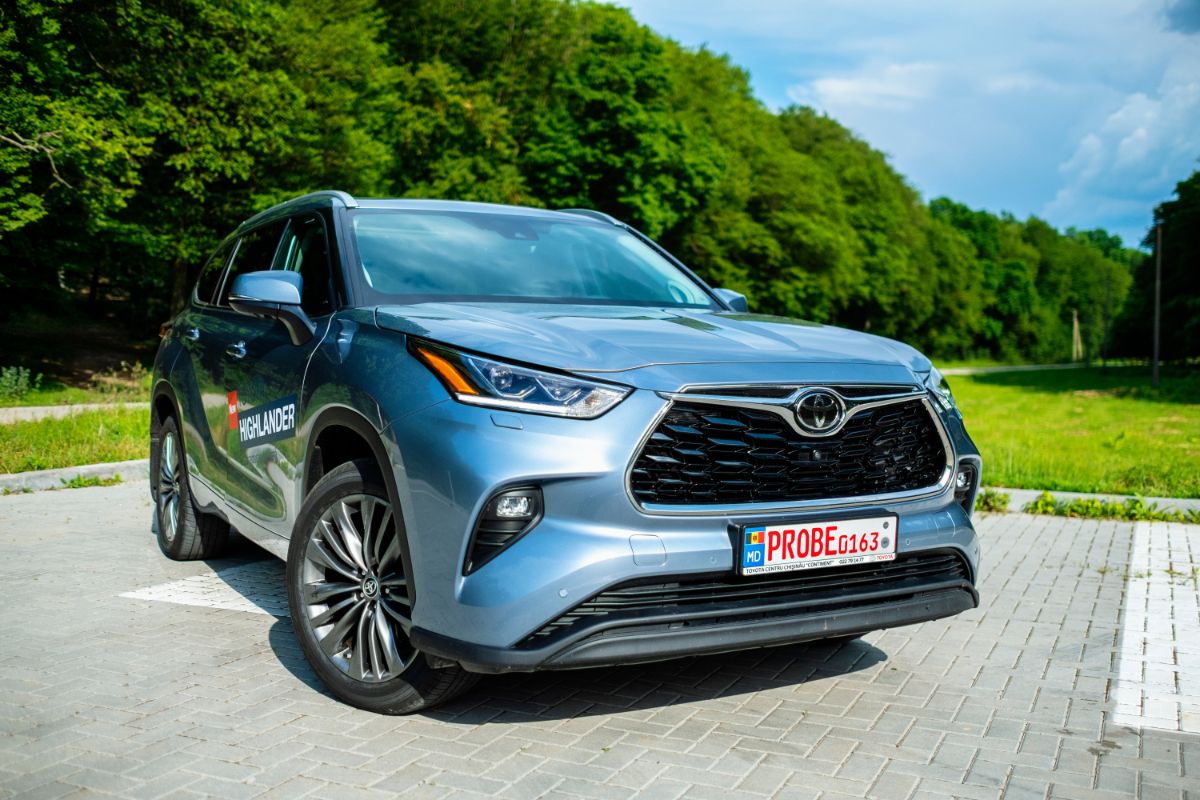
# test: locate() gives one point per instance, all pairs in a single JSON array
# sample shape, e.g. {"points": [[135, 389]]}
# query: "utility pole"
{"points": [[1157, 300]]}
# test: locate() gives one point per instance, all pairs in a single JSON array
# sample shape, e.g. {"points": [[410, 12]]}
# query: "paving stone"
{"points": [[183, 680]]}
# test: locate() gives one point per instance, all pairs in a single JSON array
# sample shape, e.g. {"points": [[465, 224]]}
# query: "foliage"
{"points": [[88, 437], [1180, 221], [138, 134], [16, 383], [1086, 430], [88, 481], [992, 501], [1130, 509]]}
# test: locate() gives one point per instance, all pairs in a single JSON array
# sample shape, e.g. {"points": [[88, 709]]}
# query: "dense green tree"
{"points": [[133, 135], [1180, 329]]}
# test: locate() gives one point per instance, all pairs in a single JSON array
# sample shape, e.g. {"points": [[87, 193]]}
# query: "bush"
{"points": [[1131, 509], [991, 501], [16, 383]]}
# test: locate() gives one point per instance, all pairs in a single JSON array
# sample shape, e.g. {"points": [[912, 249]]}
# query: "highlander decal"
{"points": [[266, 423]]}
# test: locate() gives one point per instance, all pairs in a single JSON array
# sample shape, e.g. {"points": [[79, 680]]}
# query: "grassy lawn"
{"points": [[91, 437], [1086, 430]]}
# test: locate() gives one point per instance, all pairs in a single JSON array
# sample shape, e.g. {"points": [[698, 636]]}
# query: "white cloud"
{"points": [[1147, 143], [893, 87]]}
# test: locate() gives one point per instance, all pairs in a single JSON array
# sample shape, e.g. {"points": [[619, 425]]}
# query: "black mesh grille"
{"points": [[714, 599], [720, 454]]}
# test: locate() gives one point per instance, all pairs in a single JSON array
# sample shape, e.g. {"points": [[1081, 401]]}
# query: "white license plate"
{"points": [[812, 545]]}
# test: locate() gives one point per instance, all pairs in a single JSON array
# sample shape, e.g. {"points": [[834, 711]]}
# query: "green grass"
{"points": [[1087, 430], [91, 437]]}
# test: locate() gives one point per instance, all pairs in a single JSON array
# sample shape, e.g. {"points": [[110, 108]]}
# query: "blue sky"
{"points": [[1082, 113]]}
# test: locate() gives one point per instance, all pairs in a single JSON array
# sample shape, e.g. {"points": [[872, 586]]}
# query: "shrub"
{"points": [[17, 382]]}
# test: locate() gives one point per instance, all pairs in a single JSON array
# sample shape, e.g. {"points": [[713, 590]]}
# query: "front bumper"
{"points": [[449, 458], [597, 638]]}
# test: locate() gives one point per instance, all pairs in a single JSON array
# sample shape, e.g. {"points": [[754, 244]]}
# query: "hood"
{"points": [[616, 339]]}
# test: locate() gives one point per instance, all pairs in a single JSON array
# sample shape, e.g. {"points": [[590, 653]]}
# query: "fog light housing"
{"points": [[965, 480], [506, 516]]}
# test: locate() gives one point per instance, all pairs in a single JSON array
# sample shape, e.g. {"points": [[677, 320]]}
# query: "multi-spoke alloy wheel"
{"points": [[168, 486], [184, 532], [354, 589], [352, 601]]}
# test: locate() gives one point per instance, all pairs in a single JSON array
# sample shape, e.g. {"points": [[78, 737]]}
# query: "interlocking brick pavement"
{"points": [[107, 689]]}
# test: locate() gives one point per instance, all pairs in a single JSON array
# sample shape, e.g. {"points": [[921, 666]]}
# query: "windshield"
{"points": [[409, 256]]}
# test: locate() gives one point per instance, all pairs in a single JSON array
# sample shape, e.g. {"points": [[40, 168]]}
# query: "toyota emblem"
{"points": [[820, 411]]}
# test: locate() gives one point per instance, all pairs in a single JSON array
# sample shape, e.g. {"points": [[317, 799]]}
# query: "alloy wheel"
{"points": [[355, 592], [168, 486]]}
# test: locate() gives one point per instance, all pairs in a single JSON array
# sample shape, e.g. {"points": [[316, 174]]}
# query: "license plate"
{"points": [[812, 545]]}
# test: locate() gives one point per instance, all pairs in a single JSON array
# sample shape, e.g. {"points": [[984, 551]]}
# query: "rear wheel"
{"points": [[350, 600], [184, 533]]}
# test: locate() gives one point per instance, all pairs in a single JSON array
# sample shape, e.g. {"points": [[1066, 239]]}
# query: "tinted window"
{"points": [[210, 277], [414, 256], [305, 249], [255, 253]]}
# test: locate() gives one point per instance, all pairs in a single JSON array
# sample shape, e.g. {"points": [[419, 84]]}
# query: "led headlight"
{"points": [[940, 389], [486, 382]]}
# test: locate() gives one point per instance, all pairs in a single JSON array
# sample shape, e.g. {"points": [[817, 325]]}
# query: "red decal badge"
{"points": [[233, 425]]}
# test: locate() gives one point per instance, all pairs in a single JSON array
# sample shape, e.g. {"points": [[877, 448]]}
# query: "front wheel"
{"points": [[350, 600]]}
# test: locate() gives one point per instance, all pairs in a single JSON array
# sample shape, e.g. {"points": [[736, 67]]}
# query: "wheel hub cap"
{"points": [[370, 588]]}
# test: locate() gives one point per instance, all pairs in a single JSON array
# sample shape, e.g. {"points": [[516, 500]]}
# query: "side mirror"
{"points": [[735, 300], [273, 294]]}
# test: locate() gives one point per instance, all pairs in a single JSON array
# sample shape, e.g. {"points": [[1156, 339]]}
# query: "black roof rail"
{"points": [[346, 199]]}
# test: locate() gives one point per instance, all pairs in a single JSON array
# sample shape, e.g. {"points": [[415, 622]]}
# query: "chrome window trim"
{"points": [[777, 405]]}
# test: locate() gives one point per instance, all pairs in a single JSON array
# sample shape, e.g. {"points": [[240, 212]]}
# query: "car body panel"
{"points": [[598, 339]]}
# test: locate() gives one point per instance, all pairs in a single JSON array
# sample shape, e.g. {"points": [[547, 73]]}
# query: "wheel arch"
{"points": [[324, 452]]}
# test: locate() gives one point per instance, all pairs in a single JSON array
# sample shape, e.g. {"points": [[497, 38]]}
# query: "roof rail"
{"points": [[345, 199], [588, 212]]}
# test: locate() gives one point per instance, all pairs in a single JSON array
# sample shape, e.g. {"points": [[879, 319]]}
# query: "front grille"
{"points": [[726, 599], [723, 454]]}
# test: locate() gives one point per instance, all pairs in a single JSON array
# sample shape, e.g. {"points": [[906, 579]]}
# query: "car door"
{"points": [[263, 376], [200, 389]]}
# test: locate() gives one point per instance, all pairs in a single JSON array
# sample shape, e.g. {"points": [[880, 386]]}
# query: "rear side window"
{"points": [[210, 277], [255, 254], [305, 249]]}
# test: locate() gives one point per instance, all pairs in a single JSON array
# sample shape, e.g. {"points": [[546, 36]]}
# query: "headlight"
{"points": [[940, 389], [481, 381]]}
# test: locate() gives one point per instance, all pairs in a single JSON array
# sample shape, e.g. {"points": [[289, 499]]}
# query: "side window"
{"points": [[305, 249], [255, 253], [210, 277]]}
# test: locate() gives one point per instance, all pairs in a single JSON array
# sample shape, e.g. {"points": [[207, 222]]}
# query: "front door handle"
{"points": [[192, 333], [236, 350]]}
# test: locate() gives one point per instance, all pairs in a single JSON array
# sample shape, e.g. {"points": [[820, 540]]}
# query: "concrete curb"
{"points": [[1018, 498], [13, 414], [55, 478]]}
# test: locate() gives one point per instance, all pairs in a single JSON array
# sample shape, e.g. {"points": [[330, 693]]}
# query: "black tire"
{"points": [[184, 533], [350, 602]]}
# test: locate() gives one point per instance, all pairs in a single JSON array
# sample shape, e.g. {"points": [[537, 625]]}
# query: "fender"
{"points": [[342, 416]]}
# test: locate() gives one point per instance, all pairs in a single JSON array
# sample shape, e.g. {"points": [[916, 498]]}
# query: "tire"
{"points": [[349, 598], [184, 533]]}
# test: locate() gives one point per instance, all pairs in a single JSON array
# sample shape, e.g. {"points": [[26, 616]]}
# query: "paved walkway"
{"points": [[30, 413], [124, 673]]}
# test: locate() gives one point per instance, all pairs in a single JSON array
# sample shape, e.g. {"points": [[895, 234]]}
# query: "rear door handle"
{"points": [[192, 333], [236, 350]]}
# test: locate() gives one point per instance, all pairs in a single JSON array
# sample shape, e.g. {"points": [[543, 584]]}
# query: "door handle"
{"points": [[192, 333], [236, 350]]}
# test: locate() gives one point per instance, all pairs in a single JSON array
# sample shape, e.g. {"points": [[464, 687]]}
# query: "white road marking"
{"points": [[1158, 667], [255, 588]]}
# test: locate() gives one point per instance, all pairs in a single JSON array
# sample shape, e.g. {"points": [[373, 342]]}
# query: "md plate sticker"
{"points": [[262, 424]]}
